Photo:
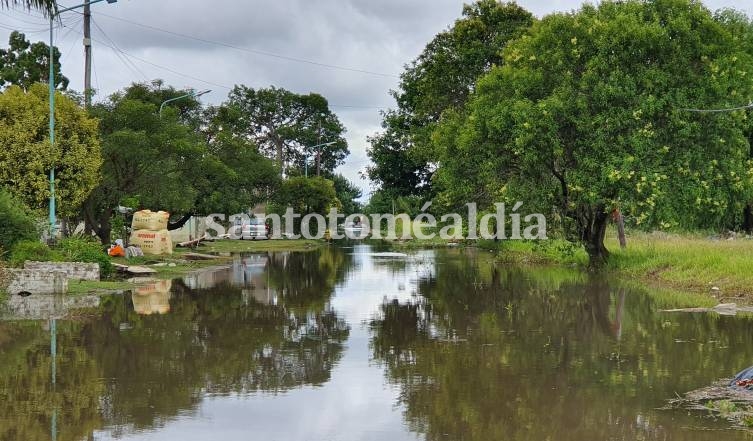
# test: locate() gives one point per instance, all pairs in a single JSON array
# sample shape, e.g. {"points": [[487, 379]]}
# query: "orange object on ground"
{"points": [[116, 251]]}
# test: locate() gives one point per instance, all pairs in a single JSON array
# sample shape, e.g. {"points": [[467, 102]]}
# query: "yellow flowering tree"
{"points": [[589, 113], [26, 156]]}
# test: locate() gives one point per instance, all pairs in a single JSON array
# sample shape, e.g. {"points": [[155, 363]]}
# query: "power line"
{"points": [[117, 48], [731, 109], [252, 51], [191, 77]]}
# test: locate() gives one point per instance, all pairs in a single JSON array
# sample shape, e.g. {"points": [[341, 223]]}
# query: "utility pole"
{"points": [[87, 55], [319, 151]]}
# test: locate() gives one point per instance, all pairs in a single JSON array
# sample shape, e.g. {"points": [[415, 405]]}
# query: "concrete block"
{"points": [[74, 270]]}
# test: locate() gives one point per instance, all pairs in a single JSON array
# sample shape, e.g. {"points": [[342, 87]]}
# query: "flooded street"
{"points": [[346, 343]]}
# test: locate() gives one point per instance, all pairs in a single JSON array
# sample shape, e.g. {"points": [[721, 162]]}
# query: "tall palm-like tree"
{"points": [[44, 6]]}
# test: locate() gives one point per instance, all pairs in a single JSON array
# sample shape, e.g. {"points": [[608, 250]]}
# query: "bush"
{"points": [[33, 250], [16, 222], [87, 250]]}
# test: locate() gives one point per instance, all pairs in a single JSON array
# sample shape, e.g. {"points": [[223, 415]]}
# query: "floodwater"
{"points": [[344, 343]]}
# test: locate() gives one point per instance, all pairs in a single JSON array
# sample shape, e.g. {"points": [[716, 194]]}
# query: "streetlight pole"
{"points": [[54, 14], [191, 94], [316, 147]]}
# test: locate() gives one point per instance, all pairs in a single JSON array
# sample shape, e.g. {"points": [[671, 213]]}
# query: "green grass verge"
{"points": [[176, 265], [679, 264], [79, 287], [687, 262], [241, 246]]}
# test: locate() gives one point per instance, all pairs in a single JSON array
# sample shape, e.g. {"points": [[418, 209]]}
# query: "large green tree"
{"points": [[24, 63], [286, 126], [441, 78], [741, 28], [348, 194], [26, 157], [308, 195], [588, 114], [165, 162]]}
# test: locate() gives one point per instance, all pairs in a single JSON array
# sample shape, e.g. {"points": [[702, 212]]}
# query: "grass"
{"points": [[677, 263], [240, 246], [688, 262], [78, 287], [176, 265]]}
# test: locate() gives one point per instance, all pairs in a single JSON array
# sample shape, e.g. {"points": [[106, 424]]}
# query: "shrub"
{"points": [[16, 222], [87, 250], [33, 250]]}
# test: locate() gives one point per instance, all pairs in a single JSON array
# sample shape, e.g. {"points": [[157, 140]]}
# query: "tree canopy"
{"points": [[587, 114], [26, 157], [441, 78], [164, 162], [24, 63], [284, 125]]}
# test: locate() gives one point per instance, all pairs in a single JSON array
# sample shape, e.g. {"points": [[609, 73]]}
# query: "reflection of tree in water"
{"points": [[128, 370], [488, 354], [307, 280], [27, 398]]}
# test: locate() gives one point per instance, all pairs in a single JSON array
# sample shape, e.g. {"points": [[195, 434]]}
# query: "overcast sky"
{"points": [[350, 51]]}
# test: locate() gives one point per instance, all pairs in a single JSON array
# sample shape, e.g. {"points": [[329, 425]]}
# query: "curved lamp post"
{"points": [[190, 94]]}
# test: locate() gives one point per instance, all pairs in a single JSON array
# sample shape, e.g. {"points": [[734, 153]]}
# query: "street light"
{"points": [[191, 94], [54, 14], [316, 147]]}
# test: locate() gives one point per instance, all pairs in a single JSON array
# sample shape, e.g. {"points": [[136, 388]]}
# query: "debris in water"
{"points": [[721, 309]]}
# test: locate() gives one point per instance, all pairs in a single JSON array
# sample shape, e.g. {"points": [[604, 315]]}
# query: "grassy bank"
{"points": [[692, 263], [687, 263], [176, 265]]}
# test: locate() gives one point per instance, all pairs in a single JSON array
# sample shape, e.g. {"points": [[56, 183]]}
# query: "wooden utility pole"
{"points": [[87, 55], [620, 221]]}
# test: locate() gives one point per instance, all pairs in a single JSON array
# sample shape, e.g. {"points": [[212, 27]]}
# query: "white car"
{"points": [[255, 230]]}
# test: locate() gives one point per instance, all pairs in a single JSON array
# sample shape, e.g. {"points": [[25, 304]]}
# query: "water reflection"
{"points": [[342, 344], [157, 353], [485, 353]]}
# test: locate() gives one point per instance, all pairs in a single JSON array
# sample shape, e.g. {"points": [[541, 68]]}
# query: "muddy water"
{"points": [[346, 344]]}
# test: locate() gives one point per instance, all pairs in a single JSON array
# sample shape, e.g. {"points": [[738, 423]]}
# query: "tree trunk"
{"points": [[104, 229], [748, 218], [620, 221], [280, 158], [593, 230]]}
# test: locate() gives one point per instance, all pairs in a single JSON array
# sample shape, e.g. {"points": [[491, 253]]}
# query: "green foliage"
{"points": [[26, 157], [284, 125], [16, 220], [24, 63], [35, 251], [587, 114], [385, 201], [165, 162], [441, 78], [308, 195], [347, 194], [87, 250], [237, 176]]}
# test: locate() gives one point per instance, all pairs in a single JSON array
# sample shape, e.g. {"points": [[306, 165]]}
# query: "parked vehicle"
{"points": [[256, 229]]}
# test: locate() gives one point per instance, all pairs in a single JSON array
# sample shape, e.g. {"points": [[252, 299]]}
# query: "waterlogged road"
{"points": [[345, 344]]}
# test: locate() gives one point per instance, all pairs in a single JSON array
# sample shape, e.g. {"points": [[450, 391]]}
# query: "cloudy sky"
{"points": [[350, 51]]}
